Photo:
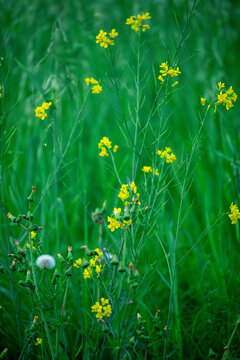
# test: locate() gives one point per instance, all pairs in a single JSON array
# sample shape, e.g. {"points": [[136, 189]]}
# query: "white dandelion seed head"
{"points": [[45, 262]]}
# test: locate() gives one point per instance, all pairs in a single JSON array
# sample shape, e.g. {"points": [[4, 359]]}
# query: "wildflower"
{"points": [[104, 39], [45, 262], [103, 309], [96, 88], [126, 223], [33, 247], [38, 341], [104, 144], [166, 70], [156, 172], [77, 263], [136, 22], [147, 169], [113, 33], [235, 214], [87, 273], [113, 224], [225, 97], [40, 110], [202, 101], [117, 211], [0, 90], [133, 187], [168, 154], [115, 148], [99, 252], [33, 234], [124, 193]]}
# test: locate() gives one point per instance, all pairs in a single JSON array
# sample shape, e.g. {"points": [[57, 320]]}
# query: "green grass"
{"points": [[187, 250]]}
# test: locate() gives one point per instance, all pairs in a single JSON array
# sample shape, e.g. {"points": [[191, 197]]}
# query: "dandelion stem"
{"points": [[36, 289]]}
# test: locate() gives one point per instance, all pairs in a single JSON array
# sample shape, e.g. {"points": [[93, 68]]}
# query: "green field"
{"points": [[170, 266]]}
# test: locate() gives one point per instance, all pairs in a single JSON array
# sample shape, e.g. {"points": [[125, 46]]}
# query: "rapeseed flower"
{"points": [[113, 223], [136, 22], [38, 341], [104, 39], [168, 154], [165, 70], [96, 88], [102, 309], [225, 97], [104, 144], [202, 101], [40, 110], [235, 214]]}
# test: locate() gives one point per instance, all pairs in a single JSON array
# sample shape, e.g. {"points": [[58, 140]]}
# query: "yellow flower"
{"points": [[113, 224], [202, 101], [96, 88], [168, 154], [136, 21], [147, 169], [225, 97], [33, 247], [235, 214], [102, 310], [124, 193], [99, 252], [115, 148], [104, 40], [113, 33], [133, 187], [33, 235], [77, 263], [38, 341], [117, 211], [87, 273], [156, 172], [166, 70], [103, 144], [40, 110]]}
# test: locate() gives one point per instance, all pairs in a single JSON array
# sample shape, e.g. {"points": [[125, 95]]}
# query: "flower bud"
{"points": [[121, 268], [85, 264], [114, 260]]}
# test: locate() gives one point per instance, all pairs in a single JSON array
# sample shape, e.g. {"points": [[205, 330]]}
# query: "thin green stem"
{"points": [[36, 289]]}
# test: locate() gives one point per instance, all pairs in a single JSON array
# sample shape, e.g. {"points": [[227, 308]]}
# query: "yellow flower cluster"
{"points": [[168, 154], [203, 101], [40, 110], [105, 144], [148, 169], [0, 91], [235, 214], [94, 266], [96, 88], [103, 309], [38, 341], [113, 223], [136, 21], [166, 70], [225, 97], [105, 39]]}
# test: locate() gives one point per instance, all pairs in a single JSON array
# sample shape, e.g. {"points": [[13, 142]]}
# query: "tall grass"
{"points": [[180, 253]]}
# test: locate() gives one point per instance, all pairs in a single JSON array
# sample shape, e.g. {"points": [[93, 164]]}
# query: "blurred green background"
{"points": [[47, 49]]}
